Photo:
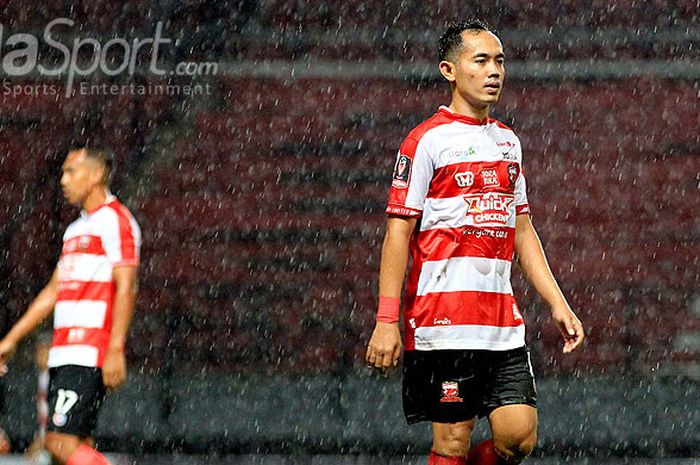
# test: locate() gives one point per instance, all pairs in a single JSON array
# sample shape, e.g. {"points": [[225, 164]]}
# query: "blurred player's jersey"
{"points": [[93, 245], [463, 179]]}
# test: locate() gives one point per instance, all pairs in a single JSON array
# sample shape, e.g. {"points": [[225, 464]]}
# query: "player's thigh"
{"points": [[453, 439], [514, 427], [440, 387]]}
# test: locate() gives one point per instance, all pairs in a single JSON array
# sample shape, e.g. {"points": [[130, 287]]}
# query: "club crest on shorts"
{"points": [[450, 392], [402, 171]]}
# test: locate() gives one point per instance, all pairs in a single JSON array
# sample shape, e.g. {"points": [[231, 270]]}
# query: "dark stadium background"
{"points": [[262, 203]]}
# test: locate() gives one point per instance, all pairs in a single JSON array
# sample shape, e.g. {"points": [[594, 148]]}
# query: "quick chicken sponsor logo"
{"points": [[489, 209]]}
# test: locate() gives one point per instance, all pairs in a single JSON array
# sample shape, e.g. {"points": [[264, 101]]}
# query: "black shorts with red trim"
{"points": [[449, 386], [76, 394]]}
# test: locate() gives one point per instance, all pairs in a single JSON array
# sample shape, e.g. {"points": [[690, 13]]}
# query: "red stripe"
{"points": [[85, 244], [96, 337], [522, 209], [464, 308], [467, 241], [126, 234], [85, 290], [472, 178]]}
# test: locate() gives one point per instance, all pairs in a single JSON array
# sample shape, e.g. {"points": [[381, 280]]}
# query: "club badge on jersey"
{"points": [[402, 172], [512, 174]]}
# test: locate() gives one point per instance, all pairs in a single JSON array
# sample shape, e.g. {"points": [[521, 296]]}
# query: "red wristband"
{"points": [[388, 311]]}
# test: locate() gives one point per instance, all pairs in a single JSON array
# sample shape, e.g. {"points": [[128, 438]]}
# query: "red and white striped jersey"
{"points": [[463, 179], [93, 245]]}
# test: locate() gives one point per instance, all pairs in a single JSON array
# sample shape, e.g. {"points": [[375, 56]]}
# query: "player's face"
{"points": [[79, 177], [480, 69]]}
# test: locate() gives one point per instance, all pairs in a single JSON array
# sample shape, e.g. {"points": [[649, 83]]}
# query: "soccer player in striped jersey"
{"points": [[458, 205], [91, 294]]}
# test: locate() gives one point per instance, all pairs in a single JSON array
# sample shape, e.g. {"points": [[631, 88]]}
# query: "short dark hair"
{"points": [[451, 40], [102, 156]]}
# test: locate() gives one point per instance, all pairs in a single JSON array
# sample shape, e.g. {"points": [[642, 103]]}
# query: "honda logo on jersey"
{"points": [[402, 172], [465, 179]]}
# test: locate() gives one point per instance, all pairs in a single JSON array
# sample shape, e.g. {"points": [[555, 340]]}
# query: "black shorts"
{"points": [[76, 394], [449, 386]]}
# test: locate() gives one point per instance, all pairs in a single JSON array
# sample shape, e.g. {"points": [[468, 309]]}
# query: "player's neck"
{"points": [[95, 198], [463, 107]]}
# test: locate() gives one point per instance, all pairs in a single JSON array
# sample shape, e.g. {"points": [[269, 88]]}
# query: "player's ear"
{"points": [[97, 174], [447, 69]]}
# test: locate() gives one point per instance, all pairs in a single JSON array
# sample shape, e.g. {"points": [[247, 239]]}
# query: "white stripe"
{"points": [[469, 337], [452, 212], [73, 355], [85, 267], [82, 313], [458, 142], [108, 221], [79, 227], [465, 274]]}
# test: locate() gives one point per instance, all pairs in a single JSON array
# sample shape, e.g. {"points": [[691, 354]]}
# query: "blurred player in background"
{"points": [[93, 290], [37, 450], [458, 204]]}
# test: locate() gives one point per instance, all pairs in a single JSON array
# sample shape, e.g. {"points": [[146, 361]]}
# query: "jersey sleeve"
{"points": [[522, 207], [121, 239], [413, 171]]}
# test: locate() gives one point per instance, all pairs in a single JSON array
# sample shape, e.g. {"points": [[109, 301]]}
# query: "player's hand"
{"points": [[7, 348], [570, 327], [384, 348], [114, 368]]}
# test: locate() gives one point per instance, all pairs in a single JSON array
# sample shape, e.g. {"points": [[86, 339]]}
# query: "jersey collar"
{"points": [[445, 111], [108, 199]]}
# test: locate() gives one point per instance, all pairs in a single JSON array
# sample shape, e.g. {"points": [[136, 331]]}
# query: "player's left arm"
{"points": [[114, 366], [533, 263]]}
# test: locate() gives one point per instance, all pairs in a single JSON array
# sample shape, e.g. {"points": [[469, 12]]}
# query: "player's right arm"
{"points": [[384, 348], [38, 311]]}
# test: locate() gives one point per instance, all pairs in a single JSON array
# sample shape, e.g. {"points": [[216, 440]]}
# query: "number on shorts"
{"points": [[66, 400]]}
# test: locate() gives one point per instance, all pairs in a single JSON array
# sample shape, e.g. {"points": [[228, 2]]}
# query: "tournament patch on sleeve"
{"points": [[402, 172]]}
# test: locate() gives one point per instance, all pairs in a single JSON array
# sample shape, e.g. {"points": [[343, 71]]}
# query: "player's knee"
{"points": [[515, 449], [54, 446], [60, 447], [453, 440]]}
